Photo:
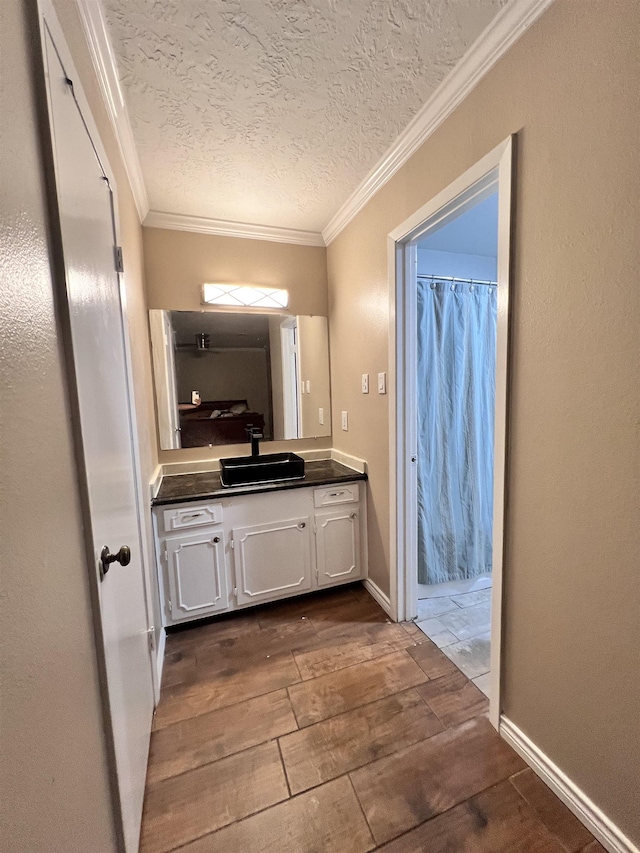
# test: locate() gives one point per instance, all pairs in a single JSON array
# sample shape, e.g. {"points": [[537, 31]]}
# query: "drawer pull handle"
{"points": [[353, 515], [302, 525], [192, 515], [335, 494], [216, 539]]}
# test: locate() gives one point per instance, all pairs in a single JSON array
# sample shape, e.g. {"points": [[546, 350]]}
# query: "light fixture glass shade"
{"points": [[244, 296]]}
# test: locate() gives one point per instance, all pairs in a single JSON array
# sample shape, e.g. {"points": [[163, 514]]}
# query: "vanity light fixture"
{"points": [[244, 296]]}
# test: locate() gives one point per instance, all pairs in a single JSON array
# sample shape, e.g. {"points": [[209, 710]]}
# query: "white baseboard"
{"points": [[162, 642], [350, 461], [375, 592], [607, 833]]}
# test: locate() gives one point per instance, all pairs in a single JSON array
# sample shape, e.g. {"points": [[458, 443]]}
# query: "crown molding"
{"points": [[509, 24], [223, 228], [104, 63]]}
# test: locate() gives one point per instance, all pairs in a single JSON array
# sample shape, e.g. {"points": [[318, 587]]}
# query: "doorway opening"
{"points": [[290, 377], [449, 264], [455, 398]]}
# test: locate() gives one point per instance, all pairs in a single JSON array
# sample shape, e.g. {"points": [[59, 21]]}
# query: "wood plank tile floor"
{"points": [[317, 726]]}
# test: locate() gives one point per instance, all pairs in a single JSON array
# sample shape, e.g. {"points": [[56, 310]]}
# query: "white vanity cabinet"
{"points": [[337, 546], [196, 575], [247, 549], [272, 560], [338, 530], [191, 559]]}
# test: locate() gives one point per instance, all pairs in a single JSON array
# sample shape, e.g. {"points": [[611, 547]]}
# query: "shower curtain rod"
{"points": [[460, 280]]}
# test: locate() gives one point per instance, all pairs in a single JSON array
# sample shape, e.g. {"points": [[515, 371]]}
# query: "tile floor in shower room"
{"points": [[456, 616]]}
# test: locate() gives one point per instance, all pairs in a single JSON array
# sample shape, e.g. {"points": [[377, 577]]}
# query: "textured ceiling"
{"points": [[273, 111]]}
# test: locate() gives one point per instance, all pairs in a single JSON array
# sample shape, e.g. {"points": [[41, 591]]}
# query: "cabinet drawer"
{"points": [[339, 494], [192, 516]]}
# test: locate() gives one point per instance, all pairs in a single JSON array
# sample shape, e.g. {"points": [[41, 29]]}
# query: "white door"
{"points": [[272, 560], [197, 576], [93, 298], [338, 545]]}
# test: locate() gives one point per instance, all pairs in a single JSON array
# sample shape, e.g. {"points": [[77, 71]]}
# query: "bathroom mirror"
{"points": [[217, 373]]}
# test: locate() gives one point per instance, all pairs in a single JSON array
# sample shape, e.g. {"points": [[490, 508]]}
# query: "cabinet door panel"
{"points": [[197, 577], [272, 560], [338, 545]]}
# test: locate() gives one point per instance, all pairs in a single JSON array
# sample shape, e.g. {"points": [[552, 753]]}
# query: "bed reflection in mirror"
{"points": [[218, 373]]}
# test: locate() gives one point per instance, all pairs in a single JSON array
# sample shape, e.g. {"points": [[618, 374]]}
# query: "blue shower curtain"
{"points": [[456, 391]]}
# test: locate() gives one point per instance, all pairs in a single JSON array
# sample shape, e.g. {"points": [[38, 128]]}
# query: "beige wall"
{"points": [[569, 88], [54, 794], [177, 263]]}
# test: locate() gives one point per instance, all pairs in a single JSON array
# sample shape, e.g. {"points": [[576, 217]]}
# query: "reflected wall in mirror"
{"points": [[218, 373]]}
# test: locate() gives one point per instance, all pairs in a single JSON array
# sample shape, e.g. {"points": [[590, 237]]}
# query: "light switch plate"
{"points": [[321, 416], [365, 383], [345, 421], [308, 384], [382, 383]]}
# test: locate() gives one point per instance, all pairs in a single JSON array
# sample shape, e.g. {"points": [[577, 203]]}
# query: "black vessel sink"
{"points": [[269, 468]]}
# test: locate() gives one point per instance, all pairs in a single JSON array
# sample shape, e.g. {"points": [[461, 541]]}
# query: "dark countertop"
{"points": [[196, 487]]}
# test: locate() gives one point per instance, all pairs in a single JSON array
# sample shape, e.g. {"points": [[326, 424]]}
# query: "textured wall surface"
{"points": [[272, 112], [54, 793], [570, 88]]}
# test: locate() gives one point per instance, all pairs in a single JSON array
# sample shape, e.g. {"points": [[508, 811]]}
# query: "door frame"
{"points": [[161, 337], [494, 170], [290, 375]]}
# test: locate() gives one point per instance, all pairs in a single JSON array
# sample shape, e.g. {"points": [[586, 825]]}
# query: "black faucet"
{"points": [[254, 435]]}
